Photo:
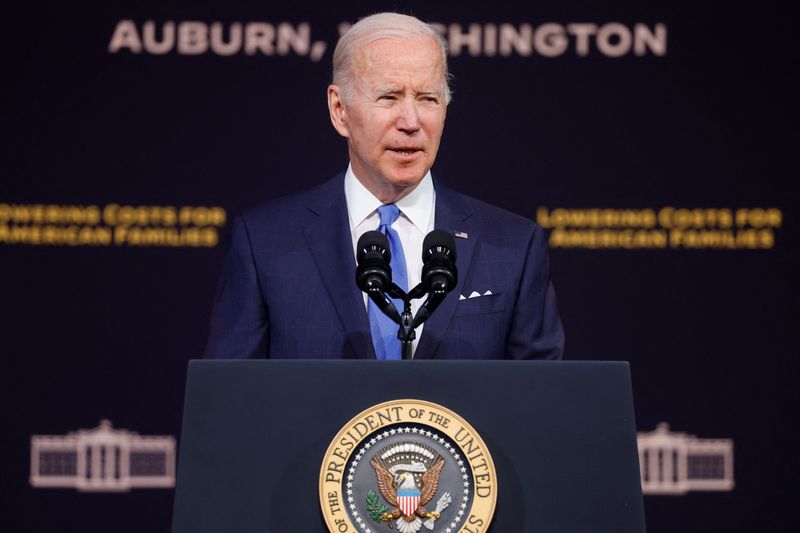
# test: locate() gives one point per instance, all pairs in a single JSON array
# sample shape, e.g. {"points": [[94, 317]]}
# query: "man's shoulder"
{"points": [[295, 207], [491, 218]]}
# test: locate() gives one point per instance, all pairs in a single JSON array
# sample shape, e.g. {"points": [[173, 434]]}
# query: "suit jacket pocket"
{"points": [[481, 305]]}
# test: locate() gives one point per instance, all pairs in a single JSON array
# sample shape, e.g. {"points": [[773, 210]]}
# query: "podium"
{"points": [[255, 433]]}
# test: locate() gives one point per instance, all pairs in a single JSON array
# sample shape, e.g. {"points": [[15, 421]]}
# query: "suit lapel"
{"points": [[453, 214], [328, 237]]}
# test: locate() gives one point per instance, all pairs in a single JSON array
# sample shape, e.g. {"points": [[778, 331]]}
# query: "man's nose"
{"points": [[408, 118]]}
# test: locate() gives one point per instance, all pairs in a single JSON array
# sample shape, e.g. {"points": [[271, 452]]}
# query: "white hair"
{"points": [[381, 26]]}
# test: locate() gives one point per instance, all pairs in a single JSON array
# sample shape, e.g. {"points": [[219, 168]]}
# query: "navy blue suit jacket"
{"points": [[287, 289]]}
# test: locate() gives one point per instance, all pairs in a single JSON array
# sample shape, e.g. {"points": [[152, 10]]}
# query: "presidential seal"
{"points": [[407, 466]]}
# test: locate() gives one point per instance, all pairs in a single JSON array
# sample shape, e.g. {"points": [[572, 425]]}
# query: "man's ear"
{"points": [[337, 110]]}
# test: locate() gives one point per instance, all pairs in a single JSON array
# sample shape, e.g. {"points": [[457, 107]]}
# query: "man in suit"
{"points": [[287, 289]]}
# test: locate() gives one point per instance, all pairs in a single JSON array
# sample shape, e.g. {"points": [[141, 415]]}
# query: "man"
{"points": [[287, 289]]}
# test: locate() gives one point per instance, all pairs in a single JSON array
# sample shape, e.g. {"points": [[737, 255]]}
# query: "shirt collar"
{"points": [[417, 206]]}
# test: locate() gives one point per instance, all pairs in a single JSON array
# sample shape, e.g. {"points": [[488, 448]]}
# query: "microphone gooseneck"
{"points": [[439, 273], [374, 273]]}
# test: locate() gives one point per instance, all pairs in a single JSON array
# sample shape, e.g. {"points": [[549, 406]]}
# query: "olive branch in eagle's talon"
{"points": [[375, 508]]}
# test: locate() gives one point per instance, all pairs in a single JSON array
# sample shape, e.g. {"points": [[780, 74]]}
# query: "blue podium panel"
{"points": [[562, 436]]}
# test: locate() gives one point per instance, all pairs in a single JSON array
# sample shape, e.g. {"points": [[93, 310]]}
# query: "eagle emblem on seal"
{"points": [[408, 478]]}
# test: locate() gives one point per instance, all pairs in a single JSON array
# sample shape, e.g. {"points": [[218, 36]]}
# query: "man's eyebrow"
{"points": [[381, 91]]}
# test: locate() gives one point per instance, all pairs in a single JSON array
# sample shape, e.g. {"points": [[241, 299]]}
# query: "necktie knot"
{"points": [[388, 213]]}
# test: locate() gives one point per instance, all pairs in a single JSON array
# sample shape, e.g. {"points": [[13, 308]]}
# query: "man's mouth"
{"points": [[403, 150]]}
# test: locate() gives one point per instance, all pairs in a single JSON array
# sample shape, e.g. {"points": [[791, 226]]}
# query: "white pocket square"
{"points": [[474, 294]]}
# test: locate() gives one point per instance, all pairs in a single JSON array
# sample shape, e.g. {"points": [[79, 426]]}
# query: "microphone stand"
{"points": [[373, 274], [405, 332], [406, 321]]}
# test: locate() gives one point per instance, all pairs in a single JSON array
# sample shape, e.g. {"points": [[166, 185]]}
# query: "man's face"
{"points": [[395, 115]]}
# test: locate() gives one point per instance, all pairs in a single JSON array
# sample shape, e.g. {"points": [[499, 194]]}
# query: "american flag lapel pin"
{"points": [[461, 235]]}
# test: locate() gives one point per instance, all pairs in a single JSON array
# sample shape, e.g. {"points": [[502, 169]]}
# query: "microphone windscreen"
{"points": [[370, 241], [438, 239]]}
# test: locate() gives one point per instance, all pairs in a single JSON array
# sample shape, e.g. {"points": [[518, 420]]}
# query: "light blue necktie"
{"points": [[383, 329]]}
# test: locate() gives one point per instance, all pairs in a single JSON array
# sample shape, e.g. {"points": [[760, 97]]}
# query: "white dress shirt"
{"points": [[416, 219]]}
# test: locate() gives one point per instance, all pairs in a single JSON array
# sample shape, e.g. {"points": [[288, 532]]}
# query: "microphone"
{"points": [[374, 258], [374, 273], [439, 274]]}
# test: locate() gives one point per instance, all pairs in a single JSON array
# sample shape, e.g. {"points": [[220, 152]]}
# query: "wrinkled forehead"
{"points": [[388, 57]]}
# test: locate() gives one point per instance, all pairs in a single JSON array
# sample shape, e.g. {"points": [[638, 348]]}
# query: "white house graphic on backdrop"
{"points": [[102, 459], [676, 463]]}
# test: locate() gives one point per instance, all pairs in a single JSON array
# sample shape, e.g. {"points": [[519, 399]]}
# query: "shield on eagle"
{"points": [[408, 501]]}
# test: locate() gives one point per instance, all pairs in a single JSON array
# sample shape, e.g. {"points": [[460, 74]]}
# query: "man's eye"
{"points": [[387, 97]]}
